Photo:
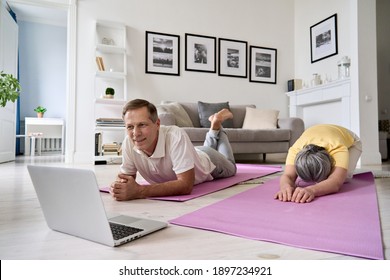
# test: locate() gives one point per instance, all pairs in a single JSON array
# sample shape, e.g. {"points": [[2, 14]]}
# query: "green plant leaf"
{"points": [[110, 91], [40, 109], [9, 88]]}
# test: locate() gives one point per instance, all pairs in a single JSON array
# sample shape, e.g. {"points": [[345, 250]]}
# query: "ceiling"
{"points": [[40, 14]]}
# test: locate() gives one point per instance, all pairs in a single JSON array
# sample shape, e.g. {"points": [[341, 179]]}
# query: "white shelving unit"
{"points": [[111, 46]]}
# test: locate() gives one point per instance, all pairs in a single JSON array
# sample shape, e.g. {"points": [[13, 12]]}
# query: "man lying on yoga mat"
{"points": [[325, 155], [165, 157]]}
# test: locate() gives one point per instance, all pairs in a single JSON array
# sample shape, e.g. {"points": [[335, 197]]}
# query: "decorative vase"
{"points": [[343, 66], [316, 81]]}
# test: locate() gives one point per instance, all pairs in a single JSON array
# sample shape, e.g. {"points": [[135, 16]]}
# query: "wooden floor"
{"points": [[24, 234]]}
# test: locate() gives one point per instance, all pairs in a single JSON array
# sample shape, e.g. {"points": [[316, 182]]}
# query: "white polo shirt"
{"points": [[174, 154]]}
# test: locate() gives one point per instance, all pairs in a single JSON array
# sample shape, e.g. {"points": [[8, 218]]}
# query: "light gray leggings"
{"points": [[217, 147], [354, 154]]}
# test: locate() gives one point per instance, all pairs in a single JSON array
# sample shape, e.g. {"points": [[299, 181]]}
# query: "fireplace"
{"points": [[327, 103]]}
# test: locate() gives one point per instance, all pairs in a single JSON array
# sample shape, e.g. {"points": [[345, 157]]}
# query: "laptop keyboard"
{"points": [[120, 231]]}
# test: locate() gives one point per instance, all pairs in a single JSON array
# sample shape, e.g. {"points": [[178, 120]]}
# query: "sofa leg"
{"points": [[264, 156]]}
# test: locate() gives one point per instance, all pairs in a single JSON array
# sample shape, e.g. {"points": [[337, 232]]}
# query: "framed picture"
{"points": [[162, 53], [233, 57], [323, 39], [262, 67], [200, 53]]}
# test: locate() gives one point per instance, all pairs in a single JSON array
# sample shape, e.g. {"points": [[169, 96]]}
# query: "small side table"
{"points": [[33, 137], [50, 127]]}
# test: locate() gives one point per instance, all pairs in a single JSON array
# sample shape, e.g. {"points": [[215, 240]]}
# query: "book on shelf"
{"points": [[109, 119], [111, 148], [109, 125], [110, 153], [110, 122], [98, 144], [113, 145], [100, 64]]}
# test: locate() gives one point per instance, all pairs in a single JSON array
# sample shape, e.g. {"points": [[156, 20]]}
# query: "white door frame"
{"points": [[70, 6]]}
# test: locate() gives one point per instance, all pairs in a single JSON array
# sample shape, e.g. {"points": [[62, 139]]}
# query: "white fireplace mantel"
{"points": [[327, 103]]}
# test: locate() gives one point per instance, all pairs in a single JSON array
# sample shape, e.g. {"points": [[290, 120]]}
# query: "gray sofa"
{"points": [[243, 141]]}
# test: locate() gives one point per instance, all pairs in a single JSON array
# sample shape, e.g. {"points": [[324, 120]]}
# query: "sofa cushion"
{"points": [[181, 117], [167, 118], [239, 112], [258, 135], [242, 135], [192, 110], [260, 119], [205, 110]]}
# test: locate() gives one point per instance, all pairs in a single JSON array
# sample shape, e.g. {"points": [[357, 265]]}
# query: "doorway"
{"points": [[43, 59]]}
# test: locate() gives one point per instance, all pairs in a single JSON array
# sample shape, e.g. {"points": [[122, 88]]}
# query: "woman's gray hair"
{"points": [[313, 163]]}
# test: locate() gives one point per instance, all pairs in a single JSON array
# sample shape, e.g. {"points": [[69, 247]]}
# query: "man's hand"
{"points": [[125, 188]]}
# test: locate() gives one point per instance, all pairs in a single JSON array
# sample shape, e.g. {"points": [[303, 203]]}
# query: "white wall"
{"points": [[283, 24], [259, 22], [356, 26], [309, 13], [42, 65], [383, 41], [364, 78]]}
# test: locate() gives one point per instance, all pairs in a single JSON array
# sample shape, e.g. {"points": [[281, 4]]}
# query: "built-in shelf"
{"points": [[111, 72], [110, 101], [110, 75], [110, 128], [110, 49]]}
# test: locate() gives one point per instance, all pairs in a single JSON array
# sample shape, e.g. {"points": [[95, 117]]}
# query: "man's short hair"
{"points": [[140, 103]]}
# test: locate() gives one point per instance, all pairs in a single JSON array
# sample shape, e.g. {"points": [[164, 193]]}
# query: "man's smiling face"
{"points": [[141, 129]]}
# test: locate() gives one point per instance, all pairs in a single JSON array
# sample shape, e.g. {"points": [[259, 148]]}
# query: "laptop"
{"points": [[71, 203]]}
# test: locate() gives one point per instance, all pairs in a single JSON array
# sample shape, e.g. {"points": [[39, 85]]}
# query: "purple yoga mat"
{"points": [[244, 172], [346, 222]]}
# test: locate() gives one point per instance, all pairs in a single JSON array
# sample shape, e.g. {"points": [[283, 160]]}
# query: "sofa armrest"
{"points": [[167, 119], [296, 125]]}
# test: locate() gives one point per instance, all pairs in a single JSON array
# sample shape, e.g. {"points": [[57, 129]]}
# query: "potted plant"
{"points": [[9, 88], [109, 93], [40, 111]]}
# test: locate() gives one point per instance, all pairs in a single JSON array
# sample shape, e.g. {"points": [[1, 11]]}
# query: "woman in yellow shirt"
{"points": [[324, 155]]}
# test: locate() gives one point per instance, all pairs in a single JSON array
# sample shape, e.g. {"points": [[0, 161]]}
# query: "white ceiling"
{"points": [[35, 13]]}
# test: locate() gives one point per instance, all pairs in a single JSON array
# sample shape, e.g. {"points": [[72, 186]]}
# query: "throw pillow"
{"points": [[181, 116], [205, 110], [260, 118]]}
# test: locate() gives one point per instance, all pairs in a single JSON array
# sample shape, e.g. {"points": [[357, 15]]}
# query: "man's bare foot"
{"points": [[218, 118]]}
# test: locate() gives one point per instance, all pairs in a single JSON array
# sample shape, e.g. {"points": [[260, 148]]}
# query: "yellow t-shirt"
{"points": [[335, 139]]}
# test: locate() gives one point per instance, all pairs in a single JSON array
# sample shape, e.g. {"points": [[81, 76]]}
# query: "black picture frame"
{"points": [[323, 39], [162, 53], [200, 53], [233, 58], [262, 65]]}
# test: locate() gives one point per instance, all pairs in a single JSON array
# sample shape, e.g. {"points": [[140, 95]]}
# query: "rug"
{"points": [[345, 223], [244, 173]]}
